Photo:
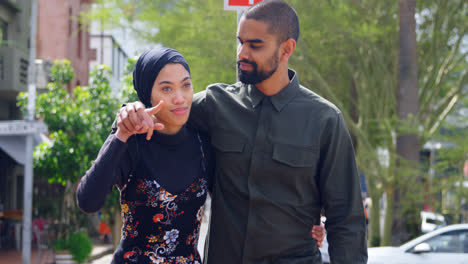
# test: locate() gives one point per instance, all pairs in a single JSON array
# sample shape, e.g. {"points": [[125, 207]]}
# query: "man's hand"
{"points": [[135, 119], [318, 233]]}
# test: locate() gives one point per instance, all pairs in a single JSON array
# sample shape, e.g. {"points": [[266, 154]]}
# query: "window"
{"points": [[450, 242], [114, 58], [80, 39], [24, 71], [119, 63], [434, 221], [3, 30]]}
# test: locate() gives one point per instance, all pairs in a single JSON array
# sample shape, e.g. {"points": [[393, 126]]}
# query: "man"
{"points": [[283, 154]]}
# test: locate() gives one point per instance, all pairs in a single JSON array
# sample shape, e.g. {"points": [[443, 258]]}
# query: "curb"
{"points": [[100, 251]]}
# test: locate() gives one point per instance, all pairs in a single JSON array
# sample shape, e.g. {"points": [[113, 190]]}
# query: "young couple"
{"points": [[283, 155]]}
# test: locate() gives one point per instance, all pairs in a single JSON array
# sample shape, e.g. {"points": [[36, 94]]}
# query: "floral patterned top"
{"points": [[159, 226]]}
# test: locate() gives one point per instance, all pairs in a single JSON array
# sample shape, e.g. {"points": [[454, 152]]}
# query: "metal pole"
{"points": [[431, 176], [28, 166]]}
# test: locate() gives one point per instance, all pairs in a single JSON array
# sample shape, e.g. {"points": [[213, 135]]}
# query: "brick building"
{"points": [[61, 36]]}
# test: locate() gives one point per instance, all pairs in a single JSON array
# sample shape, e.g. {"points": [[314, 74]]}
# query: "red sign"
{"points": [[239, 4]]}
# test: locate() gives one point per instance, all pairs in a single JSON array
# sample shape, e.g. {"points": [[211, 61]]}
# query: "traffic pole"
{"points": [[28, 166]]}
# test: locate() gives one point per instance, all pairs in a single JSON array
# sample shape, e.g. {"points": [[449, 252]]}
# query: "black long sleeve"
{"points": [[111, 167], [168, 159]]}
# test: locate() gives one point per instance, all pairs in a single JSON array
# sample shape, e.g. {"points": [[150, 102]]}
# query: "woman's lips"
{"points": [[180, 110]]}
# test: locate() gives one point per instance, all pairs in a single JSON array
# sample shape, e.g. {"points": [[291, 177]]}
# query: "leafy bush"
{"points": [[78, 244]]}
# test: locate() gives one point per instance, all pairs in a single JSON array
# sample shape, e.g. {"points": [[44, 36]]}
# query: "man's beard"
{"points": [[254, 76]]}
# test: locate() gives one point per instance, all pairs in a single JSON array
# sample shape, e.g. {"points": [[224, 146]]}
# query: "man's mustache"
{"points": [[248, 62]]}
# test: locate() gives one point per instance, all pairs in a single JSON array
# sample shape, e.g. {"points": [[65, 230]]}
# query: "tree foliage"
{"points": [[78, 123], [350, 50], [448, 180], [347, 52], [200, 29]]}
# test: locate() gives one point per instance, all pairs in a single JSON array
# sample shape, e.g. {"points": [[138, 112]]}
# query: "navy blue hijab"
{"points": [[148, 67]]}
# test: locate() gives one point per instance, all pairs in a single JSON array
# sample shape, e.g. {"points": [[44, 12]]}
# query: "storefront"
{"points": [[12, 161]]}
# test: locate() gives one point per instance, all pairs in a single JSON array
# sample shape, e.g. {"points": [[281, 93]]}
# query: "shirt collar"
{"points": [[280, 99], [255, 95]]}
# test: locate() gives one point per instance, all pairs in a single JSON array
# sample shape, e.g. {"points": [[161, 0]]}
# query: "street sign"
{"points": [[239, 5], [21, 127]]}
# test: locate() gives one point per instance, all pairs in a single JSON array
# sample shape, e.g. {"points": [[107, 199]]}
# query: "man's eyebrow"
{"points": [[168, 82], [251, 40]]}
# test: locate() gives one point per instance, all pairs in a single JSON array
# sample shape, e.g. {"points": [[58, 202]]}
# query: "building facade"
{"points": [[14, 60], [111, 48], [60, 35], [109, 52], [14, 54]]}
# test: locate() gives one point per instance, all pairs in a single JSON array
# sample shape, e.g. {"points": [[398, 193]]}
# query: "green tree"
{"points": [[348, 53], [448, 180], [200, 29], [78, 124], [407, 142]]}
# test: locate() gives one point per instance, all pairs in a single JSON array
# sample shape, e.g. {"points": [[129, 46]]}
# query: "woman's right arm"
{"points": [[111, 165]]}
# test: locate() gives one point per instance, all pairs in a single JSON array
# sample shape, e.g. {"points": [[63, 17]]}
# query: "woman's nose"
{"points": [[178, 99]]}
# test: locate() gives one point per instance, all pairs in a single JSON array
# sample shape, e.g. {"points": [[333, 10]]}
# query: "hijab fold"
{"points": [[147, 68]]}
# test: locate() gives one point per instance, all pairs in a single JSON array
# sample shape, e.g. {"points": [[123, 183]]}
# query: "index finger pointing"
{"points": [[155, 109]]}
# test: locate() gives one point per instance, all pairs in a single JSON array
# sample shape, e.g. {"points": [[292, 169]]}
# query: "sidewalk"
{"points": [[12, 256], [99, 252]]}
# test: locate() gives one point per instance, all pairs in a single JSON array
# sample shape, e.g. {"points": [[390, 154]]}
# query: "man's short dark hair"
{"points": [[281, 18]]}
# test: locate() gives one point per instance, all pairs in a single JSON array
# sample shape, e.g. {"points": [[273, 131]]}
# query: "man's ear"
{"points": [[286, 49]]}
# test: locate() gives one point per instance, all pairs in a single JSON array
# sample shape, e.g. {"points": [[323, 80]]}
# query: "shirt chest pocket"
{"points": [[295, 156]]}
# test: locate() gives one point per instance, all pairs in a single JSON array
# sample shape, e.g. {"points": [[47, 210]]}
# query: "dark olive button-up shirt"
{"points": [[279, 160]]}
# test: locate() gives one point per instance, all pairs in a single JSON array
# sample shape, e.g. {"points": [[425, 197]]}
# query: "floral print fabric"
{"points": [[160, 227]]}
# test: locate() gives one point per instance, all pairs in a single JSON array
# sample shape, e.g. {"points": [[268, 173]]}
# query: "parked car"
{"points": [[447, 244], [431, 221]]}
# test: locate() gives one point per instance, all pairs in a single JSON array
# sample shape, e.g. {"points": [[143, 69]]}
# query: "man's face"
{"points": [[257, 52]]}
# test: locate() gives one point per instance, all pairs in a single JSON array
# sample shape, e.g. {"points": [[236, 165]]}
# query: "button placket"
{"points": [[261, 146]]}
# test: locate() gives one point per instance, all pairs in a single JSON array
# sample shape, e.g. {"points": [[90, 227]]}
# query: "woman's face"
{"points": [[174, 87]]}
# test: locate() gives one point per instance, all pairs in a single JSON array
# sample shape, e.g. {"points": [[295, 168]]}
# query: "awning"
{"points": [[15, 146]]}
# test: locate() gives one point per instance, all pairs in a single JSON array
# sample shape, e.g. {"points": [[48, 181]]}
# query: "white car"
{"points": [[445, 245], [431, 221]]}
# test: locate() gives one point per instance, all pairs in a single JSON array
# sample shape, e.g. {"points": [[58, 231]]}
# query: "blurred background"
{"points": [[396, 69]]}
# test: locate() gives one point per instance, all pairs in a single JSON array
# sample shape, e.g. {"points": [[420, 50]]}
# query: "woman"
{"points": [[164, 185], [163, 178]]}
